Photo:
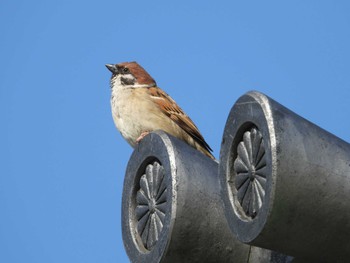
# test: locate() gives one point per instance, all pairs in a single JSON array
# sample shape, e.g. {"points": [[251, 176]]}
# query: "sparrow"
{"points": [[140, 107]]}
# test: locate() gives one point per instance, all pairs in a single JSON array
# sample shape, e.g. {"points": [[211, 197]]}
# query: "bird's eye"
{"points": [[125, 70]]}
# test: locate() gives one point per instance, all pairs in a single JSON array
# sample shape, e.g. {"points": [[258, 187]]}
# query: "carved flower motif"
{"points": [[151, 201], [249, 167]]}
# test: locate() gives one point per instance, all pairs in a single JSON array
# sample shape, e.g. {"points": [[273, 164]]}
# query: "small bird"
{"points": [[140, 107]]}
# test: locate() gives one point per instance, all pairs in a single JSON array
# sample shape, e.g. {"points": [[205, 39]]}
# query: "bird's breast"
{"points": [[134, 112]]}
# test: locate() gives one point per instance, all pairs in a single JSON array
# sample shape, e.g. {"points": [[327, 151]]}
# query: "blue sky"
{"points": [[62, 160]]}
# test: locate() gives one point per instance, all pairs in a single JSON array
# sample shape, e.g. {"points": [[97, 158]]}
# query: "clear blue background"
{"points": [[62, 161]]}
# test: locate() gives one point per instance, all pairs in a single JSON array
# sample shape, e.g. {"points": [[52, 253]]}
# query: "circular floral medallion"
{"points": [[151, 201], [250, 172]]}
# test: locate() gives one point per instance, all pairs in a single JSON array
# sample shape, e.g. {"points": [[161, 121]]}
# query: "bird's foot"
{"points": [[143, 134]]}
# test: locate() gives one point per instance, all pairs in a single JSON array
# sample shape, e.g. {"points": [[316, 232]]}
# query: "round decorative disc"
{"points": [[250, 172], [151, 201]]}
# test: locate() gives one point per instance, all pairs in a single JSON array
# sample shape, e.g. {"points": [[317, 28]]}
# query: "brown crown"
{"points": [[139, 72]]}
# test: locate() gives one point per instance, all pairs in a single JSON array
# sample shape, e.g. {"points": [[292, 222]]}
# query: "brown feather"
{"points": [[139, 73], [169, 107]]}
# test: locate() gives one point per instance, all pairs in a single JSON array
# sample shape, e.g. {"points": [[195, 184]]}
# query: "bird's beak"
{"points": [[112, 68]]}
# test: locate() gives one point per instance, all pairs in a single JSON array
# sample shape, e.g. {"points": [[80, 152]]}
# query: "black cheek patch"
{"points": [[127, 81]]}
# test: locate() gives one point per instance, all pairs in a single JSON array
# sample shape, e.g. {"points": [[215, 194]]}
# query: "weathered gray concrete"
{"points": [[285, 182], [172, 209]]}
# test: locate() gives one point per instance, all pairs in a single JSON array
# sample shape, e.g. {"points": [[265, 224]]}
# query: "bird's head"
{"points": [[129, 75]]}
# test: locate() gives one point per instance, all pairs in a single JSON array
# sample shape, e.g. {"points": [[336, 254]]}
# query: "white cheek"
{"points": [[117, 84], [128, 76], [117, 81]]}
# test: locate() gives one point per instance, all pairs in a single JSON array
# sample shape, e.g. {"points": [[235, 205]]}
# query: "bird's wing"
{"points": [[169, 107]]}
